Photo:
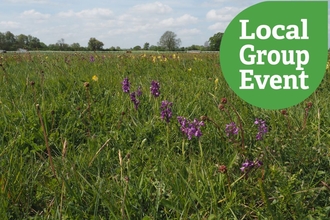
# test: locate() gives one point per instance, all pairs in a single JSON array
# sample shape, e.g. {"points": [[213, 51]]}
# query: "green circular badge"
{"points": [[273, 54]]}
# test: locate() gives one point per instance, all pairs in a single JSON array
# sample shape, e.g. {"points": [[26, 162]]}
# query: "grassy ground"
{"points": [[73, 145]]}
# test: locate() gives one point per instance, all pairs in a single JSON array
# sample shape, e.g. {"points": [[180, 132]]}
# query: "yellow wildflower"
{"points": [[216, 81], [95, 78], [189, 69]]}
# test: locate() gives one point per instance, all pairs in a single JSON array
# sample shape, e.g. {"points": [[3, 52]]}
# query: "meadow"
{"points": [[154, 136]]}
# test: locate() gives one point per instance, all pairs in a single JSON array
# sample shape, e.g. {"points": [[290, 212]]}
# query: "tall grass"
{"points": [[108, 160]]}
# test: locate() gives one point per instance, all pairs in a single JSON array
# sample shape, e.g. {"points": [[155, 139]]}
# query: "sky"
{"points": [[126, 24]]}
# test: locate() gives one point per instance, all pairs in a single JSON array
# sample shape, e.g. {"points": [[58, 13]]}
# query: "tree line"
{"points": [[167, 42]]}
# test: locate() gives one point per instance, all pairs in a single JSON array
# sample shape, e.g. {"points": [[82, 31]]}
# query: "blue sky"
{"points": [[119, 23]]}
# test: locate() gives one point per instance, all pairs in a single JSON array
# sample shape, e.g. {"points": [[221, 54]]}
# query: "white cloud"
{"points": [[69, 13], [88, 14], [180, 21], [219, 26], [223, 14], [9, 24], [28, 1], [184, 19], [32, 14], [222, 17], [192, 31], [131, 29], [155, 7], [217, 3], [96, 12]]}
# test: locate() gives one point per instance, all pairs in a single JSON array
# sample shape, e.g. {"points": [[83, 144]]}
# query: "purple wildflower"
{"points": [[248, 164], [126, 85], [258, 163], [191, 128], [166, 111], [139, 91], [231, 129], [262, 128], [134, 100], [154, 88], [92, 59]]}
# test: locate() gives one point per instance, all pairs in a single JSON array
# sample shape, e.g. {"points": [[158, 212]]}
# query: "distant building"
{"points": [[20, 50], [193, 51]]}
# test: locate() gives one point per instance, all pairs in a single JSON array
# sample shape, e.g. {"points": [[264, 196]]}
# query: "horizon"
{"points": [[126, 24]]}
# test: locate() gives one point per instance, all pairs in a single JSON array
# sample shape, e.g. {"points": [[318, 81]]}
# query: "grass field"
{"points": [[82, 136]]}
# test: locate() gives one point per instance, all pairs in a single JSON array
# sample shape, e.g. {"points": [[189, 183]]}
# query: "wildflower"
{"points": [[189, 69], [95, 78], [134, 100], [91, 59], [139, 91], [248, 164], [309, 105], [216, 81], [284, 112], [126, 85], [166, 111], [191, 128], [262, 128], [231, 129], [204, 118], [126, 178], [154, 88], [221, 107], [222, 169], [258, 163]]}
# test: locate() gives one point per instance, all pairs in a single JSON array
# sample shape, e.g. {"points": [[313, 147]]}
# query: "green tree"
{"points": [[169, 41], [61, 45], [146, 46], [137, 47], [34, 43], [75, 46], [10, 41], [215, 41], [94, 44], [2, 41], [22, 41]]}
